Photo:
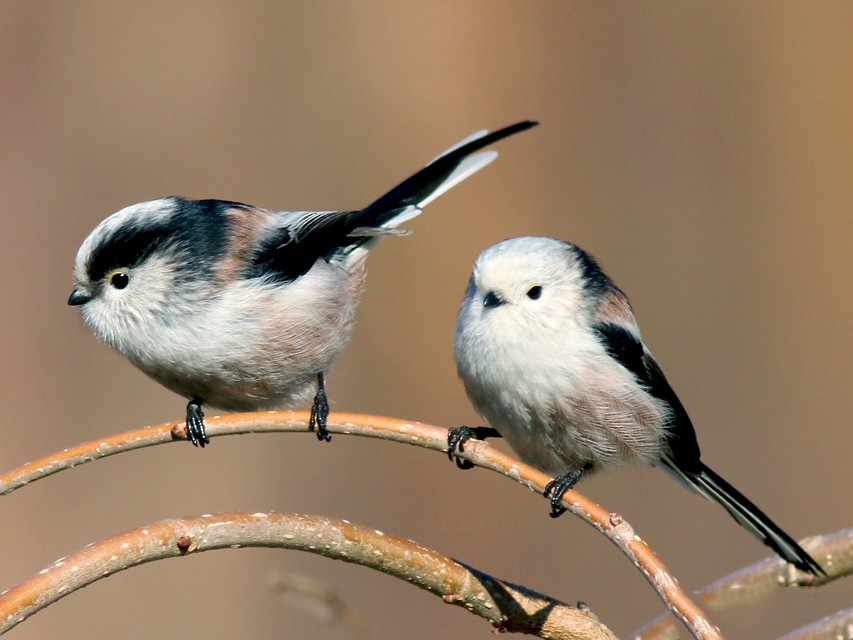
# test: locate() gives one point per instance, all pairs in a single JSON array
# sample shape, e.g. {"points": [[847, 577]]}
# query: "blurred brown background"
{"points": [[702, 151]]}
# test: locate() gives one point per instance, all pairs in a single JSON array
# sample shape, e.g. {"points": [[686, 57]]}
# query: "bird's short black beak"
{"points": [[76, 298], [491, 299]]}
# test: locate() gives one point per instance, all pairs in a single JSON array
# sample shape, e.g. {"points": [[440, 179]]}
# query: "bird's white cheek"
{"points": [[484, 352], [117, 316], [504, 351], [97, 315]]}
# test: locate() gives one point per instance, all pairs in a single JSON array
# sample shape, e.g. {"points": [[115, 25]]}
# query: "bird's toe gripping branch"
{"points": [[195, 424], [320, 412], [556, 489], [458, 436]]}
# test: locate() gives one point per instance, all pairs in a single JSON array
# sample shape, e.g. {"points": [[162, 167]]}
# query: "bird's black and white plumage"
{"points": [[243, 308], [550, 353]]}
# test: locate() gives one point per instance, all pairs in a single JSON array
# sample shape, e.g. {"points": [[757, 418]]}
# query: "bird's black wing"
{"points": [[628, 350], [683, 459], [292, 249]]}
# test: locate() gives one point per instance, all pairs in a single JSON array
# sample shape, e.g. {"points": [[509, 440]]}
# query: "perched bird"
{"points": [[550, 354], [241, 308]]}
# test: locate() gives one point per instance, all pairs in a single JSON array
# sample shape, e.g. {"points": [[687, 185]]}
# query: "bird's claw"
{"points": [[556, 489], [458, 436], [319, 415], [196, 432]]}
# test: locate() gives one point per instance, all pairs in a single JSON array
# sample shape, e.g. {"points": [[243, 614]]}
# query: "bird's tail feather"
{"points": [[407, 199], [710, 485], [443, 173]]}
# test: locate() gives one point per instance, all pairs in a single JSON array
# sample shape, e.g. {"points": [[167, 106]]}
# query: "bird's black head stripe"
{"points": [[595, 281], [128, 246], [195, 227]]}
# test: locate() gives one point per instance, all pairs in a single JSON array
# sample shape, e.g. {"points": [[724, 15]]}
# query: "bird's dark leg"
{"points": [[556, 489], [320, 411], [458, 436], [195, 424]]}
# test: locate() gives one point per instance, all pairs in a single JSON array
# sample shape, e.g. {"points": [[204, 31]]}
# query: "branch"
{"points": [[612, 525], [834, 552], [834, 627], [508, 607], [319, 599]]}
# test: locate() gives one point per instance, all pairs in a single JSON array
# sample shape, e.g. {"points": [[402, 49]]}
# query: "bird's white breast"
{"points": [[252, 344], [560, 403]]}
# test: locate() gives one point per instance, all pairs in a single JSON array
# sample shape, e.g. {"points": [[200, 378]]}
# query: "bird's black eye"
{"points": [[534, 292], [119, 280]]}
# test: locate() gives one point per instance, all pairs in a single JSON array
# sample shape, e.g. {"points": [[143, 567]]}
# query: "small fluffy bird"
{"points": [[242, 308], [550, 354]]}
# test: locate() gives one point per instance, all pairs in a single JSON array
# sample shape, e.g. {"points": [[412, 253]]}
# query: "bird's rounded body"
{"points": [[561, 404], [246, 346], [243, 308], [550, 353]]}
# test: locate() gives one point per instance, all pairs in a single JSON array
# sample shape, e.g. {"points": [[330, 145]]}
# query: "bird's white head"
{"points": [[535, 281], [140, 263]]}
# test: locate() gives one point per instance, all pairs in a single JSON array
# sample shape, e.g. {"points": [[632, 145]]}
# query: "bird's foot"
{"points": [[556, 489], [458, 436], [319, 414], [195, 424]]}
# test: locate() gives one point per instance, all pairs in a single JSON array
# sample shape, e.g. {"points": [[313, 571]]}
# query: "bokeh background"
{"points": [[703, 151]]}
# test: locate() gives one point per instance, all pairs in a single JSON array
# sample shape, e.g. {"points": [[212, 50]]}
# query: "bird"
{"points": [[550, 354], [242, 308]]}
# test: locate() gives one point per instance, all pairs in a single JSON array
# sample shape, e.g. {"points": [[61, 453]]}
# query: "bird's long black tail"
{"points": [[346, 236], [712, 486], [407, 199], [447, 170], [351, 233]]}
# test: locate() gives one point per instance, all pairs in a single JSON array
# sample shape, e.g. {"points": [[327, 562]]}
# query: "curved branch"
{"points": [[508, 607], [838, 625], [834, 552], [612, 525]]}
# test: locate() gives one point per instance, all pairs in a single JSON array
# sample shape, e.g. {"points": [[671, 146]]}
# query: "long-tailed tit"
{"points": [[550, 354], [243, 308]]}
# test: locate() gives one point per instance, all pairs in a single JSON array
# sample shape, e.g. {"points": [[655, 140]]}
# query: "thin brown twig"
{"points": [[838, 626], [613, 526], [833, 551], [319, 599], [508, 607]]}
